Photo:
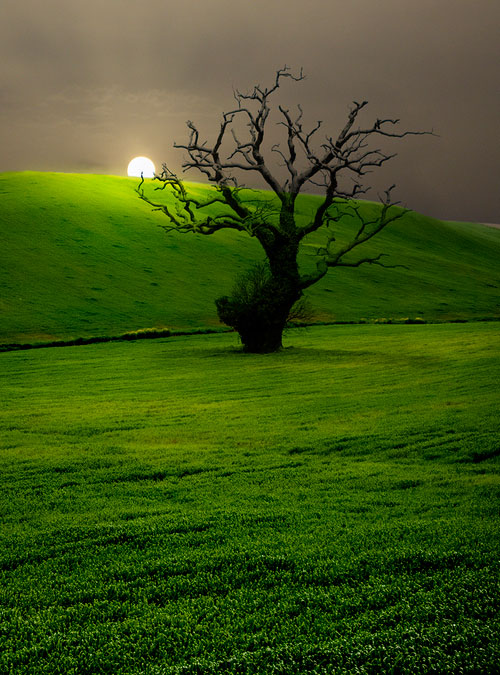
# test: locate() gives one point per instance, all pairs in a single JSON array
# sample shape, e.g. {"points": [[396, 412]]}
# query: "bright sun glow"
{"points": [[141, 165]]}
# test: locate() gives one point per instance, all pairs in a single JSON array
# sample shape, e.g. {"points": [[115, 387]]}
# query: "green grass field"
{"points": [[83, 256], [176, 506]]}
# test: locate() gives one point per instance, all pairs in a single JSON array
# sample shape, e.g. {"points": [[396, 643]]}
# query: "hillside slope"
{"points": [[82, 255]]}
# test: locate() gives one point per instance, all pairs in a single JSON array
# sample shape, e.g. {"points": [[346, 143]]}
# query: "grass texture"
{"points": [[82, 256], [176, 506]]}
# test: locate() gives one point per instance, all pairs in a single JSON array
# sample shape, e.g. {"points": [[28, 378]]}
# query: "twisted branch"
{"points": [[306, 159]]}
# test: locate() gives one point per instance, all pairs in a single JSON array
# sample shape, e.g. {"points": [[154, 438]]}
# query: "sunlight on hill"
{"points": [[82, 255]]}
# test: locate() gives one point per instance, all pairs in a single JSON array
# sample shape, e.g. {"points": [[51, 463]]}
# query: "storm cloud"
{"points": [[85, 86]]}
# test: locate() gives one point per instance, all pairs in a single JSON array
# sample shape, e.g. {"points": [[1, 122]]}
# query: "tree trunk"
{"points": [[261, 303], [262, 339]]}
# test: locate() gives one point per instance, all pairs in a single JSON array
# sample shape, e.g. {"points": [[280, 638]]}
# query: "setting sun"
{"points": [[141, 165]]}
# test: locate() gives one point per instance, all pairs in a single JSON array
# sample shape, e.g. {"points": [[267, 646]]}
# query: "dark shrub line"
{"points": [[146, 334], [152, 333]]}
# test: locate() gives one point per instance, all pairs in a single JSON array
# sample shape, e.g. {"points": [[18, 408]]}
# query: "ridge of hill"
{"points": [[82, 256]]}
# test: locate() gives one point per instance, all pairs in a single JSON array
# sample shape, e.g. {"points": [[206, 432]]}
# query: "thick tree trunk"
{"points": [[260, 313], [262, 329], [262, 339]]}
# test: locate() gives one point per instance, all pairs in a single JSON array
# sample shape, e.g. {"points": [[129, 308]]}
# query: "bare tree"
{"points": [[260, 320]]}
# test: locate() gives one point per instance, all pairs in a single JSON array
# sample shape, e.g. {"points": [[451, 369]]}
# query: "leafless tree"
{"points": [[307, 162]]}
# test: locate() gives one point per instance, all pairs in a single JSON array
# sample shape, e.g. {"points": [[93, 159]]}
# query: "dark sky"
{"points": [[87, 85]]}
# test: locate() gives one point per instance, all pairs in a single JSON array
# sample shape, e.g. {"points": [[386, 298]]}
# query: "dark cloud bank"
{"points": [[85, 86]]}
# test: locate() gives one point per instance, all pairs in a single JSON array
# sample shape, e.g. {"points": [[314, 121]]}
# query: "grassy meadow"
{"points": [[176, 506], [83, 256]]}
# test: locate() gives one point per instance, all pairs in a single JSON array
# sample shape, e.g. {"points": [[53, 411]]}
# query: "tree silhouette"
{"points": [[261, 306]]}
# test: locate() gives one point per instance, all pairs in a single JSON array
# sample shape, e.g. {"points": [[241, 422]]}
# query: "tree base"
{"points": [[261, 345], [259, 308]]}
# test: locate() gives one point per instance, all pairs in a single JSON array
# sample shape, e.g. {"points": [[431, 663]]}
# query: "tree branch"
{"points": [[306, 158], [333, 256]]}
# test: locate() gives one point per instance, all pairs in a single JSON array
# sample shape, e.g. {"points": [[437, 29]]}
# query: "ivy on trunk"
{"points": [[260, 308]]}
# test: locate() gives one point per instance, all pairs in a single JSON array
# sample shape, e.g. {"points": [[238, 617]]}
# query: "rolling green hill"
{"points": [[82, 256]]}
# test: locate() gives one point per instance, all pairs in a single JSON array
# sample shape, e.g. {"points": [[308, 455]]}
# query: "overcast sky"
{"points": [[87, 85]]}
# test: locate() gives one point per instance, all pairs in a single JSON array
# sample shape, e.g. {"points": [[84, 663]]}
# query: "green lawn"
{"points": [[83, 256], [177, 506]]}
